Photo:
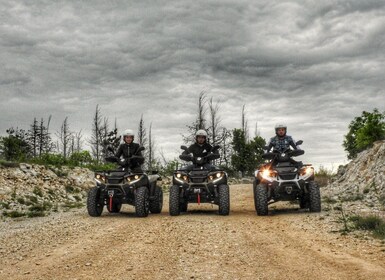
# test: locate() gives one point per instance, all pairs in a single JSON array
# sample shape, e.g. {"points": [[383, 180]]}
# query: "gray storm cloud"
{"points": [[314, 65]]}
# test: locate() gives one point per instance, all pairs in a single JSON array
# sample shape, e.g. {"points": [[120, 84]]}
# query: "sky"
{"points": [[313, 65]]}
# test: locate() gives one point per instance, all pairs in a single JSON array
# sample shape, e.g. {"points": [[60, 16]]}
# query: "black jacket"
{"points": [[128, 151], [200, 151]]}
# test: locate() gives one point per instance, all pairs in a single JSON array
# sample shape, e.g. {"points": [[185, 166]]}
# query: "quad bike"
{"points": [[283, 179], [122, 186], [199, 185]]}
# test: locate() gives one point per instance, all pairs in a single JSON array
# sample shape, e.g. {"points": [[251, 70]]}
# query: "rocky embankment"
{"points": [[35, 190], [360, 185]]}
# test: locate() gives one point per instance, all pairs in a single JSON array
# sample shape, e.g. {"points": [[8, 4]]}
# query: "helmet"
{"points": [[128, 132], [280, 125], [201, 132]]}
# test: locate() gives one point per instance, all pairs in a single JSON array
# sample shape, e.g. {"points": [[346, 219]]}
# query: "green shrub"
{"points": [[21, 200], [32, 199], [13, 214], [38, 191], [323, 176], [10, 164], [379, 231], [328, 199], [32, 214], [71, 204], [4, 204], [372, 223]]}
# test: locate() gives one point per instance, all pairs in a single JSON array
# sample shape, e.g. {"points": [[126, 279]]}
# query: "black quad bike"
{"points": [[199, 185], [284, 179], [121, 186]]}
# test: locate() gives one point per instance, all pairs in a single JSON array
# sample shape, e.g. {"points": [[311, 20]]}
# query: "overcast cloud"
{"points": [[314, 65]]}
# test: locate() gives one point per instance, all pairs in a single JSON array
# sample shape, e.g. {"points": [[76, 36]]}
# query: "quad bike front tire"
{"points": [[260, 200], [174, 201], [255, 184], [224, 200], [142, 203], [156, 204], [94, 205], [314, 197]]}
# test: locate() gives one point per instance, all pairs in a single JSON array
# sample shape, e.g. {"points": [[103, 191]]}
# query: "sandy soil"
{"points": [[288, 244]]}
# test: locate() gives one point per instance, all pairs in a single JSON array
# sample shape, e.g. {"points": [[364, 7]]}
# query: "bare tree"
{"points": [[226, 148], [200, 121], [151, 149], [215, 120], [78, 141], [33, 137], [142, 137], [95, 140], [65, 138], [245, 128]]}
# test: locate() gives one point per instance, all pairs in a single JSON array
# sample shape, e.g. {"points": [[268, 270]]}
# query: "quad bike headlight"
{"points": [[215, 177], [306, 172], [134, 178], [100, 178], [268, 174], [182, 178]]}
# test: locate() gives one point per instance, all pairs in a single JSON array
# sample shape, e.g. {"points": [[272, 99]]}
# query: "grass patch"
{"points": [[13, 214], [9, 164], [382, 199], [71, 189], [328, 199], [38, 191], [32, 200], [21, 200], [45, 206], [371, 223], [5, 205], [353, 197], [73, 204], [32, 214]]}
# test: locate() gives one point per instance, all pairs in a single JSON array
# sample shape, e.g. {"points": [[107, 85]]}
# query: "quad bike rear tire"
{"points": [[174, 205], [224, 200], [156, 204], [94, 205], [314, 197], [260, 200], [142, 203]]}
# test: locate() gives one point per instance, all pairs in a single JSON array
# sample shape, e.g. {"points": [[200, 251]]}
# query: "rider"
{"points": [[132, 157], [281, 141], [200, 149]]}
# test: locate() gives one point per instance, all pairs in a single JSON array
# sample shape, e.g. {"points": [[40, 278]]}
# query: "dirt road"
{"points": [[287, 244]]}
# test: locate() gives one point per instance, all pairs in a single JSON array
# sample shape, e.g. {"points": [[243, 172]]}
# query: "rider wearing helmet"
{"points": [[281, 141], [130, 151], [201, 149]]}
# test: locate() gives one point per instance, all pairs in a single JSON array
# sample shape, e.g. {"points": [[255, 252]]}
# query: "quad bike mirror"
{"points": [[111, 159], [299, 142], [141, 148], [296, 153], [268, 156], [183, 148], [216, 147]]}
